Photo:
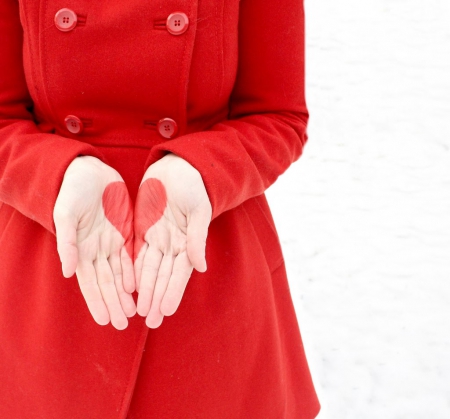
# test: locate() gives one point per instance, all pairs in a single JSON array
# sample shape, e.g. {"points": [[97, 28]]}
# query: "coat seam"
{"points": [[269, 264], [43, 61], [186, 69], [124, 403], [278, 265], [221, 48], [273, 228]]}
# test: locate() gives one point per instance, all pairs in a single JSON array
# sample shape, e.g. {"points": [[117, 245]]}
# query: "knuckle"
{"points": [[146, 286], [163, 277], [106, 280], [87, 282], [149, 269], [118, 277]]}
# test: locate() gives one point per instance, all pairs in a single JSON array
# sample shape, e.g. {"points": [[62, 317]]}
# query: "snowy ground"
{"points": [[366, 229]]}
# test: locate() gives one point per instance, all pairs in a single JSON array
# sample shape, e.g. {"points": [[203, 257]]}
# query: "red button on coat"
{"points": [[65, 20], [73, 124], [167, 127], [177, 23]]}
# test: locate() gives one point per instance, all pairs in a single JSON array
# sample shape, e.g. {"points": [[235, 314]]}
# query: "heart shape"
{"points": [[118, 209], [151, 202]]}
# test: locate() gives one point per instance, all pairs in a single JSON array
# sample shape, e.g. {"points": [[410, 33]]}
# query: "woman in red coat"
{"points": [[141, 275]]}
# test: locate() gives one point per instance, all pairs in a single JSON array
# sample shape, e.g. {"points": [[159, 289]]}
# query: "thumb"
{"points": [[197, 231], [66, 239]]}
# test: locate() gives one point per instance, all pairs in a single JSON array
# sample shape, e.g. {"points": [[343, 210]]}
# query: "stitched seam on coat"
{"points": [[124, 404], [281, 260], [278, 266], [221, 47], [26, 32], [267, 219], [267, 261], [43, 61], [186, 69]]}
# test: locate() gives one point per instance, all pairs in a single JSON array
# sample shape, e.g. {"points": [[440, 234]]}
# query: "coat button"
{"points": [[73, 124], [167, 127], [177, 23], [65, 20]]}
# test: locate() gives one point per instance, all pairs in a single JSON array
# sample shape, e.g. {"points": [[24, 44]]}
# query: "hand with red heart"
{"points": [[171, 220], [93, 217]]}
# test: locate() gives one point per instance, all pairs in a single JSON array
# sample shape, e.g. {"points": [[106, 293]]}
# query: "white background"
{"points": [[364, 215]]}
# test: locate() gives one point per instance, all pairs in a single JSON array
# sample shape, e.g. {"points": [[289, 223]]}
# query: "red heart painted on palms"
{"points": [[118, 209], [150, 205]]}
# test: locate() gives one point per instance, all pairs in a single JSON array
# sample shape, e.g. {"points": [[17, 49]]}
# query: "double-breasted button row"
{"points": [[166, 127], [177, 23]]}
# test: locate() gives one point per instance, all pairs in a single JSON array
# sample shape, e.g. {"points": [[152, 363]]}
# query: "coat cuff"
{"points": [[33, 168], [238, 159]]}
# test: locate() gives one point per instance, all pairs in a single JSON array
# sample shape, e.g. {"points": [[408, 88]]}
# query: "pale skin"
{"points": [[165, 253]]}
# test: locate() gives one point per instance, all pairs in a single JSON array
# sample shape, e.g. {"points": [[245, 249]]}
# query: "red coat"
{"points": [[230, 74]]}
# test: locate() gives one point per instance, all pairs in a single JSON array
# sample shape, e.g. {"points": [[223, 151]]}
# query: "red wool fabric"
{"points": [[233, 82]]}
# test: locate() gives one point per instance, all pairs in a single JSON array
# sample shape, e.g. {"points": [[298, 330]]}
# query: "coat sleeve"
{"points": [[265, 132], [32, 162]]}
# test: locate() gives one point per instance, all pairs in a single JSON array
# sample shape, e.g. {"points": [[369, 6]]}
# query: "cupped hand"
{"points": [[93, 217], [171, 220]]}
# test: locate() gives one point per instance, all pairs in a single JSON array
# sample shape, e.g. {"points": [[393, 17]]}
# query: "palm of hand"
{"points": [[93, 220], [170, 236]]}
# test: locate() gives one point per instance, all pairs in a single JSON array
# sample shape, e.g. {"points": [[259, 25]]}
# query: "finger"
{"points": [[150, 267], [139, 262], [87, 279], [108, 290], [155, 317], [66, 238], [197, 231], [182, 270], [126, 300], [129, 281]]}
